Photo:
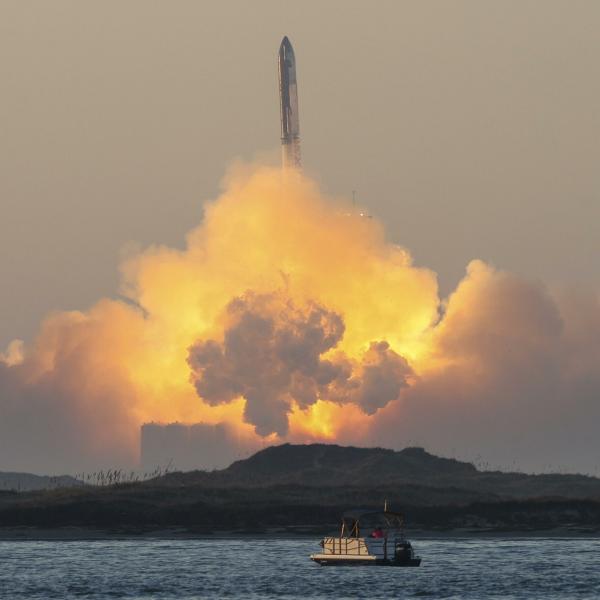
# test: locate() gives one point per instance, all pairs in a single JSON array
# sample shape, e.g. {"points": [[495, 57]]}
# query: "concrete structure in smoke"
{"points": [[288, 98]]}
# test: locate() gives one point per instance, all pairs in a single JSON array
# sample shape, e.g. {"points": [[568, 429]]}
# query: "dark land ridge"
{"points": [[26, 482], [306, 488]]}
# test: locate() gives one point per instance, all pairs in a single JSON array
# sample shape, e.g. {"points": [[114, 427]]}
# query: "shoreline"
{"points": [[81, 534]]}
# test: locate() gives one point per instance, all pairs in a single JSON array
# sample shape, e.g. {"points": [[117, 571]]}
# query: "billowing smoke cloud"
{"points": [[64, 404], [514, 376], [272, 356], [289, 317]]}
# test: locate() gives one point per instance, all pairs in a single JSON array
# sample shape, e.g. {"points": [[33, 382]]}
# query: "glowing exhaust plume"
{"points": [[287, 316], [282, 299]]}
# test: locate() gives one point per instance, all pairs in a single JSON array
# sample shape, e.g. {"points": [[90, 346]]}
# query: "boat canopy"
{"points": [[355, 520]]}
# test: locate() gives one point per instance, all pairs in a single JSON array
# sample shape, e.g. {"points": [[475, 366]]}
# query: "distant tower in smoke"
{"points": [[288, 97]]}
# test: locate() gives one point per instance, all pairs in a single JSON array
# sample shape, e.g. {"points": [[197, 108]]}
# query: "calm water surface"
{"points": [[270, 568]]}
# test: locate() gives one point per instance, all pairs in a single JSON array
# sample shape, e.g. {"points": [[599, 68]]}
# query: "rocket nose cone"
{"points": [[285, 45]]}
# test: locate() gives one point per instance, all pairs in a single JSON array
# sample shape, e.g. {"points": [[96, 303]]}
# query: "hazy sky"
{"points": [[471, 128]]}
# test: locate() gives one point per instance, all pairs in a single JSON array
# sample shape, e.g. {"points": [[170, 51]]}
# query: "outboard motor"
{"points": [[403, 552]]}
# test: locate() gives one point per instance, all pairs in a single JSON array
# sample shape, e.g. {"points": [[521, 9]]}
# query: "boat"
{"points": [[368, 538]]}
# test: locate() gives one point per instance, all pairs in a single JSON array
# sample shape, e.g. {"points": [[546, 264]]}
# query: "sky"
{"points": [[471, 129], [158, 268]]}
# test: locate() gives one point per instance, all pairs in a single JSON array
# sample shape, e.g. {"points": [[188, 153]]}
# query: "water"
{"points": [[273, 568]]}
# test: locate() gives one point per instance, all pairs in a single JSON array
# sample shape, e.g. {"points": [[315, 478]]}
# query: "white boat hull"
{"points": [[327, 560]]}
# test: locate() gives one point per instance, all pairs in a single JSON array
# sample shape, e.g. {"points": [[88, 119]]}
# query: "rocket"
{"points": [[288, 98]]}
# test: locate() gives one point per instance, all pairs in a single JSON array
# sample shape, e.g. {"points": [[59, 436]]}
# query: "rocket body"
{"points": [[288, 97]]}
